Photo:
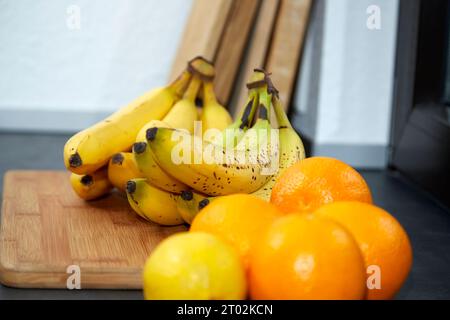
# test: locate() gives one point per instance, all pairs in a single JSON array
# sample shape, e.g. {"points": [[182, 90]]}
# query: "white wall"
{"points": [[48, 69], [350, 108]]}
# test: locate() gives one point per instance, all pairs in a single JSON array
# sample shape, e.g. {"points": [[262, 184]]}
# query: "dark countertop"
{"points": [[427, 223]]}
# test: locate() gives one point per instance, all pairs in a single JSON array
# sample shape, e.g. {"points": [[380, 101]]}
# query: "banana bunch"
{"points": [[206, 181], [98, 153], [169, 164], [91, 149], [113, 151], [182, 116], [152, 197], [91, 186], [291, 150]]}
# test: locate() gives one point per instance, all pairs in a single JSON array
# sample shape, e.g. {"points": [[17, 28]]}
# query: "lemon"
{"points": [[194, 265]]}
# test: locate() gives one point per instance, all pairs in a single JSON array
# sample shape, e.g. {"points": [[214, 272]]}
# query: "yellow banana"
{"points": [[234, 132], [182, 116], [201, 68], [212, 178], [291, 151], [189, 203], [224, 171], [214, 115], [122, 168], [184, 113], [154, 123], [145, 159], [92, 148], [147, 164], [152, 203], [151, 170], [91, 186], [187, 198]]}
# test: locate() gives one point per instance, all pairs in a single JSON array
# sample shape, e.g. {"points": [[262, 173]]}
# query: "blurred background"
{"points": [[365, 81]]}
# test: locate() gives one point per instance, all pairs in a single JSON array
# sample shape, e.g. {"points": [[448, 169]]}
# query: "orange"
{"points": [[238, 219], [384, 243], [316, 181], [306, 257]]}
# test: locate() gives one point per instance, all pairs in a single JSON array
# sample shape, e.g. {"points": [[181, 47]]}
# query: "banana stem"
{"points": [[244, 110], [180, 83], [282, 118], [245, 117], [255, 105], [205, 68], [264, 104], [258, 75], [193, 88], [209, 96]]}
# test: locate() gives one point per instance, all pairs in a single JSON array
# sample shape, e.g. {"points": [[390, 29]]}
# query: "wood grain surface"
{"points": [[202, 32], [258, 47], [45, 228], [232, 46], [287, 44]]}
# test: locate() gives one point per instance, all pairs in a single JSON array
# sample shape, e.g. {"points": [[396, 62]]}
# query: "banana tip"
{"points": [[187, 195], [203, 204], [131, 187], [139, 147], [151, 133], [117, 159], [75, 160], [87, 180]]}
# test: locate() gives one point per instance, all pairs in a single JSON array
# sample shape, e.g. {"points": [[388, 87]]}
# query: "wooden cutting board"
{"points": [[257, 49], [202, 32], [232, 46], [45, 228], [288, 38]]}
